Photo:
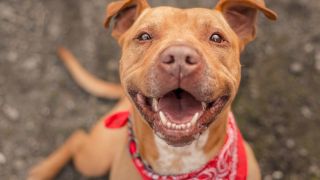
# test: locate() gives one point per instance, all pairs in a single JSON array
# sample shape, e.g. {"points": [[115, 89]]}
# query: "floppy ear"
{"points": [[241, 16], [125, 12]]}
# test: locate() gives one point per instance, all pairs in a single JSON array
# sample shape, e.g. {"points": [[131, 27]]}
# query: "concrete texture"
{"points": [[40, 105]]}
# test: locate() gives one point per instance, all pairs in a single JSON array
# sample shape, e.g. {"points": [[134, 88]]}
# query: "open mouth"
{"points": [[178, 117]]}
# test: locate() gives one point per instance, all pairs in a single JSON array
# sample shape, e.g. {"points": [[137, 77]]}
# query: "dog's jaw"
{"points": [[178, 126], [168, 159]]}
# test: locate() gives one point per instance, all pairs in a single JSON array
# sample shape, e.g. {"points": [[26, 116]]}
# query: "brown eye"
{"points": [[144, 37], [217, 38]]}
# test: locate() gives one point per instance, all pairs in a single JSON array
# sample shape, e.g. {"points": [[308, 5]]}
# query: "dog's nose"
{"points": [[180, 60]]}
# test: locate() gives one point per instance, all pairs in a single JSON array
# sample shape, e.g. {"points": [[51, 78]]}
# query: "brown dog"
{"points": [[180, 71]]}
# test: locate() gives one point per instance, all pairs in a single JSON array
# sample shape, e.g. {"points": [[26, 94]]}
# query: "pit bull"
{"points": [[180, 71]]}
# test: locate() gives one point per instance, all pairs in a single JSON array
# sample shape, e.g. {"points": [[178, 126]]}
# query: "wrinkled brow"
{"points": [[147, 27]]}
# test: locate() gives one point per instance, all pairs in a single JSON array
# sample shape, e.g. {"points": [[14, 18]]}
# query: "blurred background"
{"points": [[40, 105]]}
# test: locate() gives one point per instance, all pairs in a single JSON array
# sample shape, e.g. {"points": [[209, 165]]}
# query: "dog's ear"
{"points": [[241, 16], [125, 12]]}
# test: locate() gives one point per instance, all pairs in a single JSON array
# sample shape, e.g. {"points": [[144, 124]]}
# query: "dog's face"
{"points": [[180, 75], [180, 68]]}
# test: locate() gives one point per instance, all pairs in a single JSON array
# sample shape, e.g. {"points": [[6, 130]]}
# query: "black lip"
{"points": [[178, 137]]}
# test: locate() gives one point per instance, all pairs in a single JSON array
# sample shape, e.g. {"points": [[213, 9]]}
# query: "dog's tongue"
{"points": [[179, 106]]}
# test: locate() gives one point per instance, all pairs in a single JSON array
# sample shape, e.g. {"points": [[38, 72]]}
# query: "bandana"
{"points": [[229, 164]]}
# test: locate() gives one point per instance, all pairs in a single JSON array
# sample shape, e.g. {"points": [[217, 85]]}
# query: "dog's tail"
{"points": [[87, 81]]}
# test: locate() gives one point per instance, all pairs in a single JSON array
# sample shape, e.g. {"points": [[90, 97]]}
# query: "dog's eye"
{"points": [[144, 37], [217, 38]]}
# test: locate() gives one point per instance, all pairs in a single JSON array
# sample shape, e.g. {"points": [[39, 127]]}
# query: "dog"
{"points": [[179, 71]]}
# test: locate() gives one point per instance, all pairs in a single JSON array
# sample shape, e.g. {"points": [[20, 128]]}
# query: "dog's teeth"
{"points": [[204, 105], [140, 98], [154, 104], [163, 118], [195, 118], [174, 126], [169, 124]]}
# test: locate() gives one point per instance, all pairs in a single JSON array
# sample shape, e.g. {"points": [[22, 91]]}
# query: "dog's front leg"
{"points": [[91, 153], [53, 164]]}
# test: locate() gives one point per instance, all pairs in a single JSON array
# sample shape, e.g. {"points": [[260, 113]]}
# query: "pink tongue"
{"points": [[179, 107]]}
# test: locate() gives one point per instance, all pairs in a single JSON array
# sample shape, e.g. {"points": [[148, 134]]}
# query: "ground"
{"points": [[277, 107]]}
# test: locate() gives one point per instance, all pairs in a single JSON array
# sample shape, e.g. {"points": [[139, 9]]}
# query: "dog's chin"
{"points": [[178, 117]]}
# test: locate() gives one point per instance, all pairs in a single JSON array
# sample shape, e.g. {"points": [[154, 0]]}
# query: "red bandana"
{"points": [[229, 164]]}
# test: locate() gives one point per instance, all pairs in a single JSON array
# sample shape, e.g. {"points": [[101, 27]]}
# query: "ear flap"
{"points": [[125, 12], [241, 16]]}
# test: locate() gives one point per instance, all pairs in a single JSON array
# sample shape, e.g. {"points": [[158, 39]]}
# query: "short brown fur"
{"points": [[102, 150]]}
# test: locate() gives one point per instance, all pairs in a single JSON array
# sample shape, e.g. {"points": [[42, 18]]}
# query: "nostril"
{"points": [[190, 60], [169, 60]]}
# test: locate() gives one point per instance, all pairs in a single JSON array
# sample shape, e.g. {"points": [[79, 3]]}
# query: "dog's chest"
{"points": [[123, 167], [178, 160]]}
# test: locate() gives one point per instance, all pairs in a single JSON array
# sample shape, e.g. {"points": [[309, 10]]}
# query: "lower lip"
{"points": [[177, 137]]}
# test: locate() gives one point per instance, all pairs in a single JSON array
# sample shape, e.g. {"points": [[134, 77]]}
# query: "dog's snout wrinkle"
{"points": [[179, 60]]}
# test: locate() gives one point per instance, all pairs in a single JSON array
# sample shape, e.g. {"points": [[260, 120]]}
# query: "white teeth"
{"points": [[140, 98], [195, 118], [169, 124], [204, 105], [154, 104], [163, 118], [185, 126]]}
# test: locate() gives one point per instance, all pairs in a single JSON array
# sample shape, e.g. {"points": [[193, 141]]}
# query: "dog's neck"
{"points": [[170, 160]]}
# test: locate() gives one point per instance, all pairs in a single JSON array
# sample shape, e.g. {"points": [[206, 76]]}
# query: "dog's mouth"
{"points": [[178, 117]]}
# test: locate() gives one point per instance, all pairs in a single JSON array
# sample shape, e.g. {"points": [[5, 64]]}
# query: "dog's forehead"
{"points": [[164, 14]]}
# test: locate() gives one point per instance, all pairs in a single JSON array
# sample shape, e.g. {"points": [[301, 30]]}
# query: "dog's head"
{"points": [[180, 67]]}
